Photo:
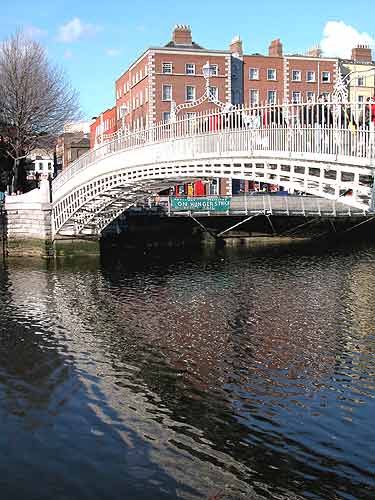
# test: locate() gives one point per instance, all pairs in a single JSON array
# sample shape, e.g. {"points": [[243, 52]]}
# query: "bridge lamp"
{"points": [[207, 71]]}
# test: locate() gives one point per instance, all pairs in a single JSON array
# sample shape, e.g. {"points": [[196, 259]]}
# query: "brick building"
{"points": [[277, 77], [103, 127], [144, 93]]}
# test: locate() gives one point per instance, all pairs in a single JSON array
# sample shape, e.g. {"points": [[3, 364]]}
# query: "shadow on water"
{"points": [[59, 437]]}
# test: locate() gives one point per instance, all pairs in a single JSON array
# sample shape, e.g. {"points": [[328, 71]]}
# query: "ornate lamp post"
{"points": [[208, 72], [340, 92]]}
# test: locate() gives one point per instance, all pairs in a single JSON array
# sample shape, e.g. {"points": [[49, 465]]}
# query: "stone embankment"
{"points": [[28, 221]]}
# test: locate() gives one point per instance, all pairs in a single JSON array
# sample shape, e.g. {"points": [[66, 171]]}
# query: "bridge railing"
{"points": [[321, 127]]}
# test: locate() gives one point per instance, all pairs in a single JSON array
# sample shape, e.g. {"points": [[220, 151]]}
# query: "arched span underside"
{"points": [[88, 198]]}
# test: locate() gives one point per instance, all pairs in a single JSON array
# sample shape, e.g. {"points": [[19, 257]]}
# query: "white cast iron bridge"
{"points": [[321, 149]]}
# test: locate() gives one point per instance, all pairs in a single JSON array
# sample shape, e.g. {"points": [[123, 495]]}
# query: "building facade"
{"points": [[359, 74], [171, 75], [103, 127], [287, 78]]}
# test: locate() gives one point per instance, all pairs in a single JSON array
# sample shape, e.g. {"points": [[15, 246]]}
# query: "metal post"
{"points": [[50, 187]]}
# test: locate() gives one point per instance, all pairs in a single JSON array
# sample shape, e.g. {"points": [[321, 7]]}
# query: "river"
{"points": [[239, 373]]}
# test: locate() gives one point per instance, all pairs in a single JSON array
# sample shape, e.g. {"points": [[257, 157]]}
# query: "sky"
{"points": [[96, 41]]}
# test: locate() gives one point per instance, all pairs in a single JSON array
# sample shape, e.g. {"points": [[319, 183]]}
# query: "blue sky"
{"points": [[95, 41]]}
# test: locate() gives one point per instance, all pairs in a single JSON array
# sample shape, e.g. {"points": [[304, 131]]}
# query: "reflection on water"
{"points": [[236, 374]]}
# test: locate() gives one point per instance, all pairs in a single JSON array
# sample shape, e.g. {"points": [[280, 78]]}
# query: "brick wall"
{"points": [[132, 91], [179, 80]]}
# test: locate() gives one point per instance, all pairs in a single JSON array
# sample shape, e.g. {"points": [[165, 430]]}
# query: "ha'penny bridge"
{"points": [[322, 151], [326, 150]]}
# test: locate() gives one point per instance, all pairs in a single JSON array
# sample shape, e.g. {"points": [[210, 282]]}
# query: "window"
{"points": [[146, 70], [310, 76], [190, 69], [141, 98], [166, 116], [137, 77], [167, 68], [253, 74], [310, 95], [361, 81], [127, 85], [361, 98], [214, 69], [325, 95], [214, 93], [140, 74], [254, 96], [167, 92], [271, 96], [271, 74], [146, 94], [326, 76], [190, 93], [40, 166], [49, 166], [296, 75], [296, 97]]}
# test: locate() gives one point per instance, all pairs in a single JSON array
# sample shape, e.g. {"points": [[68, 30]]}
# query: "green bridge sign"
{"points": [[214, 204]]}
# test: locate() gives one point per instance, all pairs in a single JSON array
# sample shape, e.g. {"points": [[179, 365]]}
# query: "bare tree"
{"points": [[36, 99]]}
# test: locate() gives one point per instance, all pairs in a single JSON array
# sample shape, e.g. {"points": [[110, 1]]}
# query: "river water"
{"points": [[221, 374]]}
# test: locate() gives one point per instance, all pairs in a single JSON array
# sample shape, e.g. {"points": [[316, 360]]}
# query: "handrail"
{"points": [[328, 127]]}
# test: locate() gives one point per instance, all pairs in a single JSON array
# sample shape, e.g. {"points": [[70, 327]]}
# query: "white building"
{"points": [[42, 164]]}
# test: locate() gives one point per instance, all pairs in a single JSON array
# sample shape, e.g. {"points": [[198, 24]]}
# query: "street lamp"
{"points": [[207, 71]]}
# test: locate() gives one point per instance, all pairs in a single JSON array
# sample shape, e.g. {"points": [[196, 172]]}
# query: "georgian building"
{"points": [[171, 75]]}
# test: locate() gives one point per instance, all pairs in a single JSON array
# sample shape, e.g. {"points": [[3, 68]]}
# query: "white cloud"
{"points": [[339, 39], [112, 52], [75, 29], [34, 32]]}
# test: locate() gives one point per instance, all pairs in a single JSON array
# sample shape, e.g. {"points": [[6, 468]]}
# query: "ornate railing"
{"points": [[314, 128]]}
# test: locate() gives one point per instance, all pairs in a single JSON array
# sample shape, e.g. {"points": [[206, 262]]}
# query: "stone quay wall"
{"points": [[29, 223]]}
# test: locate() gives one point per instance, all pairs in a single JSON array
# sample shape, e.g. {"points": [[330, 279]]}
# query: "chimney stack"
{"points": [[236, 46], [275, 49], [314, 52], [182, 35], [362, 53]]}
